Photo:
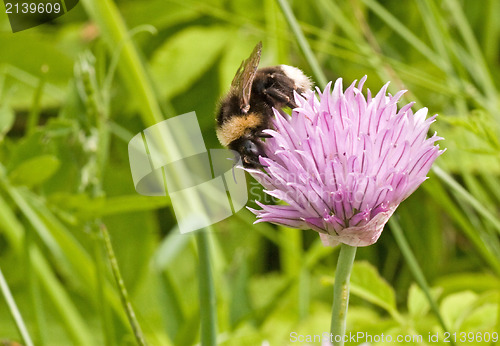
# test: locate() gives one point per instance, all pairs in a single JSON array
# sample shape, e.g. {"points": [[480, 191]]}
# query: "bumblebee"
{"points": [[247, 109]]}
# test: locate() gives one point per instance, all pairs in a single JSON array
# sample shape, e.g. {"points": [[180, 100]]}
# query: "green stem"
{"points": [[341, 293], [139, 337], [208, 314], [14, 311]]}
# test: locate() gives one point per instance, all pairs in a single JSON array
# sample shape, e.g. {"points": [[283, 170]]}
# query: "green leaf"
{"points": [[418, 304], [369, 285], [85, 207], [7, 118], [477, 282], [482, 318], [456, 307], [34, 171], [138, 13], [179, 62]]}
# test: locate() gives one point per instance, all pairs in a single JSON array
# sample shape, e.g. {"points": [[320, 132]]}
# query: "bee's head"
{"points": [[250, 149]]}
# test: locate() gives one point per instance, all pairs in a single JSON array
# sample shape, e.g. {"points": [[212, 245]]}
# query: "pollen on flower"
{"points": [[343, 163]]}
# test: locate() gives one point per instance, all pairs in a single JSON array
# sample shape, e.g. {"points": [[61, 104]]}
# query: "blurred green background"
{"points": [[74, 91]]}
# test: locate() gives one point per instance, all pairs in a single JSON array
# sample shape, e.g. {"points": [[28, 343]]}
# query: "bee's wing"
{"points": [[242, 81]]}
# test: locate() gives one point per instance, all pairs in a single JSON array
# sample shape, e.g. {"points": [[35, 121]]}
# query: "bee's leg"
{"points": [[292, 104], [279, 96], [284, 85], [261, 134]]}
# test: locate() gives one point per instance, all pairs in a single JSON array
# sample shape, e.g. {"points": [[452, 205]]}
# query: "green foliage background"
{"points": [[72, 94]]}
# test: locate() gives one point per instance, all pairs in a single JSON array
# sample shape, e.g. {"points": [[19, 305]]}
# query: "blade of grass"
{"points": [[14, 311], [493, 186], [484, 230], [102, 304], [498, 319], [139, 337], [221, 13], [276, 28], [292, 21], [303, 44], [171, 298], [400, 237], [114, 32], [407, 72], [491, 32], [42, 230], [65, 245], [304, 296], [169, 249], [415, 269], [73, 322], [11, 227], [290, 252], [366, 42], [384, 70], [31, 80], [40, 325], [97, 105], [344, 22], [467, 34], [439, 34], [207, 291], [34, 114], [290, 249], [440, 195], [404, 32], [316, 252], [471, 200], [113, 29]]}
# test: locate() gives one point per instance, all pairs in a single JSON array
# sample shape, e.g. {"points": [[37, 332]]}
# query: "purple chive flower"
{"points": [[343, 163]]}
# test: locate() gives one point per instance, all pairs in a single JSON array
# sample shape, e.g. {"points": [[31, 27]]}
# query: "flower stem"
{"points": [[207, 292], [341, 293]]}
